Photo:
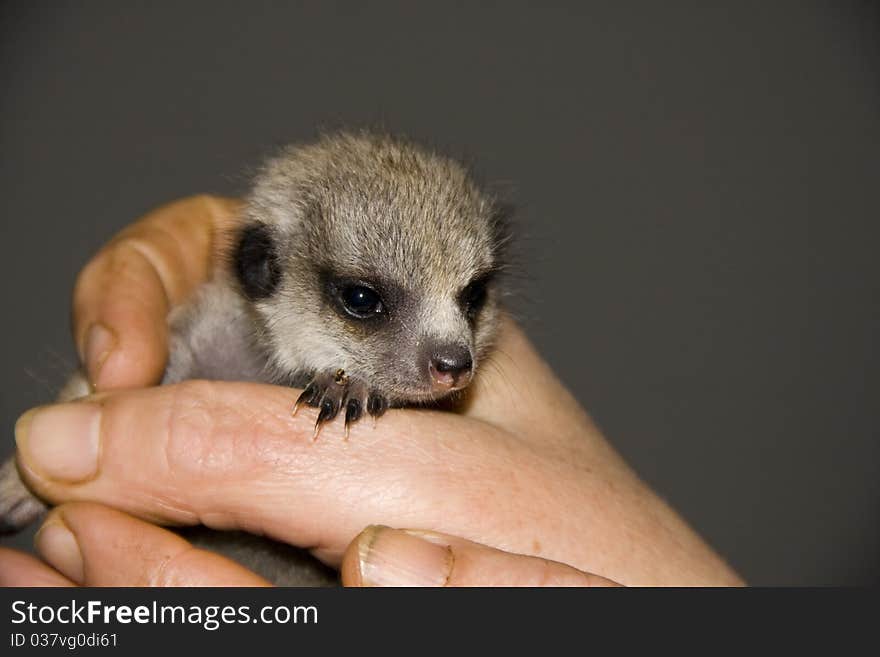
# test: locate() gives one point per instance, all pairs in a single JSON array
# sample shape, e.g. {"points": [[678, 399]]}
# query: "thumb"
{"points": [[381, 556]]}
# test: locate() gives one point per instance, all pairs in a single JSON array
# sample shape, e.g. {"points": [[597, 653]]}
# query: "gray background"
{"points": [[698, 192]]}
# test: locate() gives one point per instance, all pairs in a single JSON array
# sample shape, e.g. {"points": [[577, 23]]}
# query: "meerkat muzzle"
{"points": [[450, 369]]}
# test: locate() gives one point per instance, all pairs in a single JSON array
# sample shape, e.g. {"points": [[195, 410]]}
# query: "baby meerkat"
{"points": [[364, 270]]}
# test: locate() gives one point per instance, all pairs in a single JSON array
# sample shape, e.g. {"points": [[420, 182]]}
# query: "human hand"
{"points": [[92, 545], [123, 295], [522, 468]]}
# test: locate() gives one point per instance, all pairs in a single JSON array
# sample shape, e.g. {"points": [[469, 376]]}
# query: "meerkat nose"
{"points": [[450, 367]]}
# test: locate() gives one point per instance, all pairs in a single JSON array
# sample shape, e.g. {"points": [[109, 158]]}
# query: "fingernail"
{"points": [[390, 557], [60, 442], [57, 545], [99, 343]]}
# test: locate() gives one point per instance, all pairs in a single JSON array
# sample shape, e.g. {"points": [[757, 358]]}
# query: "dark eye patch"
{"points": [[473, 297], [356, 298], [256, 262]]}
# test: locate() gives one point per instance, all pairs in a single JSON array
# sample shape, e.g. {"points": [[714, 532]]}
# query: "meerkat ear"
{"points": [[501, 223], [256, 262]]}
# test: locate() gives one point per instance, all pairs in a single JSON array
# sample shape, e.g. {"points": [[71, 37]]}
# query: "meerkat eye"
{"points": [[361, 302], [473, 297]]}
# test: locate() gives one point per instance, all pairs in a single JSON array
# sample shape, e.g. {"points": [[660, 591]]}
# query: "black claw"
{"points": [[376, 405], [353, 411], [308, 396], [329, 409], [299, 400]]}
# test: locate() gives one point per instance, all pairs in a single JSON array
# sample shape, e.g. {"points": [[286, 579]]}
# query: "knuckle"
{"points": [[120, 264], [190, 440], [135, 258], [216, 430]]}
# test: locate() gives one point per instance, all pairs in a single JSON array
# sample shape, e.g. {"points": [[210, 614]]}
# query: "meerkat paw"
{"points": [[18, 506], [330, 392]]}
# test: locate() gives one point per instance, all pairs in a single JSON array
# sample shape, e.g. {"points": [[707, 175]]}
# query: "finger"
{"points": [[94, 545], [229, 455], [381, 556], [123, 296], [20, 569]]}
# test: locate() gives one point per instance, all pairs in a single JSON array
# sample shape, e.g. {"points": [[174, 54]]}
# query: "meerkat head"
{"points": [[371, 255]]}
